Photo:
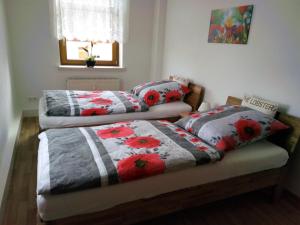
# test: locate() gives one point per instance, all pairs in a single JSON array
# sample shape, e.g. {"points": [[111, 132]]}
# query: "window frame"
{"points": [[65, 61]]}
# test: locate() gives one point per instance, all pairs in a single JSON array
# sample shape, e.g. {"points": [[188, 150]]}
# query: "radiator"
{"points": [[94, 84]]}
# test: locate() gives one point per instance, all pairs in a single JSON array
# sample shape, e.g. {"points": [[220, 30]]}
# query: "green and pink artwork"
{"points": [[230, 25]]}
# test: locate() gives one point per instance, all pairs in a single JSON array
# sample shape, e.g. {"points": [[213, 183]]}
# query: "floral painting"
{"points": [[230, 25]]}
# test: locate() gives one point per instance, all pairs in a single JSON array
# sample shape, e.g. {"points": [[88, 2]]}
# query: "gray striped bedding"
{"points": [[75, 159], [90, 103]]}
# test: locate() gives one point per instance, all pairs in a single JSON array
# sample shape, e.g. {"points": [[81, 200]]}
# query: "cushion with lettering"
{"points": [[260, 104], [229, 127]]}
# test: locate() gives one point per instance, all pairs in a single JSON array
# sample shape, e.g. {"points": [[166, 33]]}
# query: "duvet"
{"points": [[91, 103], [74, 159]]}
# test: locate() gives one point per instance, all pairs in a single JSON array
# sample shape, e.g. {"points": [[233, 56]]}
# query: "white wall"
{"points": [[159, 22], [36, 56], [268, 66], [9, 116]]}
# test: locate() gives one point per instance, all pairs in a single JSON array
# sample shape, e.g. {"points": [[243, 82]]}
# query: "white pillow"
{"points": [[265, 106], [180, 80]]}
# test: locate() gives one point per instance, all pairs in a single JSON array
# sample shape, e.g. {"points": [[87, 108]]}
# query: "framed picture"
{"points": [[231, 25]]}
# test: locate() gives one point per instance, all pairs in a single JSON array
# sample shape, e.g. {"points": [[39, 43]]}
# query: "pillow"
{"points": [[260, 104], [159, 92], [180, 80], [228, 127]]}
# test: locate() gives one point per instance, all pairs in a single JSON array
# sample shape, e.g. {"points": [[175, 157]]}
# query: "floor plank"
{"points": [[248, 209]]}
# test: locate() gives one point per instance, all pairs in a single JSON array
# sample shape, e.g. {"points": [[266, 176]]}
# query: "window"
{"points": [[89, 28], [72, 52]]}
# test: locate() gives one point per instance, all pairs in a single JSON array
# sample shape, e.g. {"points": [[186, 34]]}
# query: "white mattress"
{"points": [[250, 159], [155, 112]]}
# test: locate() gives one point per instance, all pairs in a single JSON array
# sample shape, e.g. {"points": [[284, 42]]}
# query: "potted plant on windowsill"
{"points": [[91, 59]]}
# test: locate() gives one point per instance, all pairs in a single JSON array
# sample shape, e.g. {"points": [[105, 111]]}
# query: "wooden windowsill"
{"points": [[104, 68]]}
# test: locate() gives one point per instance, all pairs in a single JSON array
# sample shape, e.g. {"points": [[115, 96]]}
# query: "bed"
{"points": [[135, 201], [170, 111]]}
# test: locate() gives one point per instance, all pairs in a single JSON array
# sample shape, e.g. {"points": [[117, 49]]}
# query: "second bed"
{"points": [[170, 111]]}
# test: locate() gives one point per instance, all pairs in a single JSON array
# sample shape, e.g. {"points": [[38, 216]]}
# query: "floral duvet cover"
{"points": [[74, 159], [91, 103]]}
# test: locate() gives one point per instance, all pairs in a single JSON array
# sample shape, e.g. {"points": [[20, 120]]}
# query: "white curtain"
{"points": [[92, 20]]}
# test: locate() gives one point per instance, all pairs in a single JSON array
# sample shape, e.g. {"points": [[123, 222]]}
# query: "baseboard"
{"points": [[3, 203]]}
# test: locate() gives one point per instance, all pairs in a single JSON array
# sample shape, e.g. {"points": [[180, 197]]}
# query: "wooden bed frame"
{"points": [[195, 97], [144, 209]]}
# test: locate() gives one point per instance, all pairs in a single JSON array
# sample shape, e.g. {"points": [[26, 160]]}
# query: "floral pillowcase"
{"points": [[229, 127], [159, 92]]}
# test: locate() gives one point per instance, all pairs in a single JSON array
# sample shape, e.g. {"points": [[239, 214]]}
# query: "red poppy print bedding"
{"points": [[91, 103], [229, 127], [78, 158], [159, 92]]}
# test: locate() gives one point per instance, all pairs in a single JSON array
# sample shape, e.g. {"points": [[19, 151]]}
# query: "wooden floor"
{"points": [[249, 209]]}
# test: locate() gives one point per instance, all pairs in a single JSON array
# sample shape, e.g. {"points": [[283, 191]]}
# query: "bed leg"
{"points": [[277, 192], [279, 188]]}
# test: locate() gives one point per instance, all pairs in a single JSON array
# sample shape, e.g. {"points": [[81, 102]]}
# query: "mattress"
{"points": [[172, 109], [256, 157]]}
